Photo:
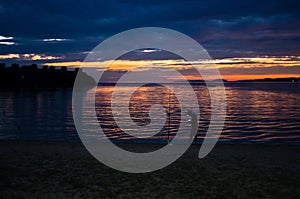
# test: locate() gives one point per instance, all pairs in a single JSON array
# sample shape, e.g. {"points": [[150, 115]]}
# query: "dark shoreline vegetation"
{"points": [[32, 76]]}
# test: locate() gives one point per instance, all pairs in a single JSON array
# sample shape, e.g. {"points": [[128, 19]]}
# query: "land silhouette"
{"points": [[32, 76]]}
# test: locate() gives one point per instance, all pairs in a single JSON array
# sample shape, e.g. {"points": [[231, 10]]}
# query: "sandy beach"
{"points": [[44, 169]]}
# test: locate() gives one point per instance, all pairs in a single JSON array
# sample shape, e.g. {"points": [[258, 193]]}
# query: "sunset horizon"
{"points": [[231, 69]]}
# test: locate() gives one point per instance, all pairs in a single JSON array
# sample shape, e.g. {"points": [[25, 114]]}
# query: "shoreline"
{"points": [[51, 169], [154, 142], [256, 154]]}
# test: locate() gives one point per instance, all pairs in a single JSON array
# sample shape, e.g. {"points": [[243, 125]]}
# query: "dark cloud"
{"points": [[224, 28]]}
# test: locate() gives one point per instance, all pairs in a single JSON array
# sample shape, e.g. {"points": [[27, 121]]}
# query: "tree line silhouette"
{"points": [[33, 76]]}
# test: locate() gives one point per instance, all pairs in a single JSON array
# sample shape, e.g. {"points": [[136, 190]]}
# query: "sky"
{"points": [[246, 39]]}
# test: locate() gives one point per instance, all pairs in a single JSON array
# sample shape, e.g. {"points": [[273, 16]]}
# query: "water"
{"points": [[256, 113]]}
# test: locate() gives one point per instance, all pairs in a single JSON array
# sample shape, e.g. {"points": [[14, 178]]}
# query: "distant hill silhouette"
{"points": [[33, 77], [286, 79]]}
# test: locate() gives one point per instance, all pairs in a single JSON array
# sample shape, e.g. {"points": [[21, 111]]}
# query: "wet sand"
{"points": [[44, 169]]}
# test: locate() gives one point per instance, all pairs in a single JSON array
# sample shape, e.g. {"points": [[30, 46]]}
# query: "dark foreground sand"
{"points": [[40, 169]]}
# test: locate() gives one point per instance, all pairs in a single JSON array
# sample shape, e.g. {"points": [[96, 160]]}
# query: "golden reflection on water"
{"points": [[252, 113], [139, 106]]}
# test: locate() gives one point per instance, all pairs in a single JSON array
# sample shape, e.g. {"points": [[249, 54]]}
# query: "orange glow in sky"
{"points": [[249, 77], [231, 69]]}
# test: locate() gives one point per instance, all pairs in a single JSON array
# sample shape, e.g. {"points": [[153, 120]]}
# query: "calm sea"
{"points": [[256, 113]]}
